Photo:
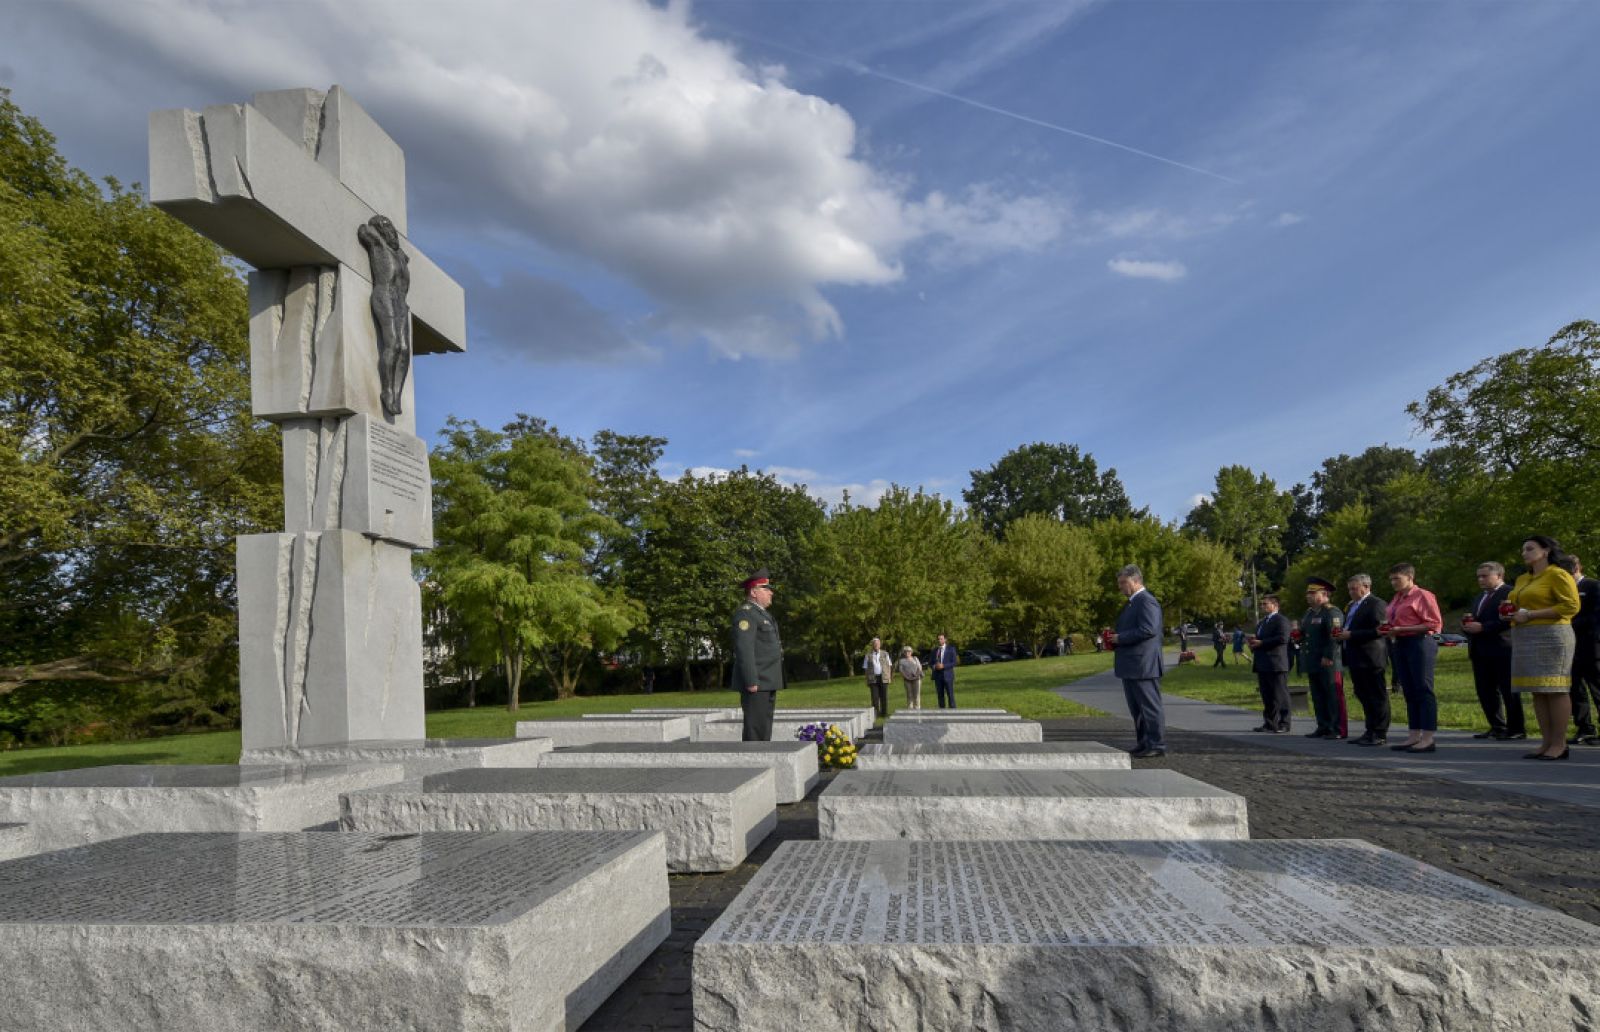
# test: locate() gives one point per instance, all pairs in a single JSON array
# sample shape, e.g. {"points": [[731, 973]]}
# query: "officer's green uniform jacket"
{"points": [[1317, 641], [757, 652]]}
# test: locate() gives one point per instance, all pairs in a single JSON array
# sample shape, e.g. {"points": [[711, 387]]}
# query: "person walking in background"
{"points": [[1269, 648], [1219, 641], [879, 668], [1489, 650], [911, 674], [1137, 661], [1366, 656], [944, 673], [1585, 675], [757, 658], [1238, 642], [1412, 621], [1320, 627], [1543, 602]]}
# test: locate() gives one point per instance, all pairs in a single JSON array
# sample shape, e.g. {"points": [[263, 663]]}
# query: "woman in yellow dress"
{"points": [[1544, 600]]}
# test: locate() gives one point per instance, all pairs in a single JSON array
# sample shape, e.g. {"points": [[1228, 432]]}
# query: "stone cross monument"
{"points": [[304, 186]]}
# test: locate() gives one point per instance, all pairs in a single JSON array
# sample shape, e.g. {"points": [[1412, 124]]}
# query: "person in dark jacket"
{"points": [[1219, 641], [1585, 669], [1366, 656], [1489, 650], [757, 658], [1269, 646], [1137, 641]]}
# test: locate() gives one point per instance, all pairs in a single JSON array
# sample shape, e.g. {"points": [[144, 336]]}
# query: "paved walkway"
{"points": [[1484, 763]]}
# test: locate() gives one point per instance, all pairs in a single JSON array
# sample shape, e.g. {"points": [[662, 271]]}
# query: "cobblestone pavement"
{"points": [[1542, 851]]}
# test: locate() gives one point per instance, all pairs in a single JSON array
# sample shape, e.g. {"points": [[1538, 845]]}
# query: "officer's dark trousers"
{"points": [[945, 685], [1274, 688], [1491, 676], [1585, 684], [1414, 656], [1327, 700], [1373, 695], [880, 696], [758, 707], [1221, 652], [1144, 705]]}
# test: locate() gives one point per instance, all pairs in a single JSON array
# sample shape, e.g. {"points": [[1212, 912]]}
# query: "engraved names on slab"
{"points": [[389, 491], [1028, 784]]}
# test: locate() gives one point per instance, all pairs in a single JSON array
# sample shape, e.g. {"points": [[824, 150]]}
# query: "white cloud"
{"points": [[612, 130], [745, 453], [1155, 224], [1135, 268], [1288, 218], [1195, 500]]}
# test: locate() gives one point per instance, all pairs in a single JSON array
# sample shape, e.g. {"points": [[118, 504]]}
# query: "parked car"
{"points": [[1450, 640], [971, 656]]}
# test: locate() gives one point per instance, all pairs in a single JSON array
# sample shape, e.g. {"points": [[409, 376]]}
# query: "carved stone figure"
{"points": [[391, 279]]}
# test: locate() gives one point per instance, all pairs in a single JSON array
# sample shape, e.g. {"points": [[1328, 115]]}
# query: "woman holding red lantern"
{"points": [[1412, 622], [1543, 602]]}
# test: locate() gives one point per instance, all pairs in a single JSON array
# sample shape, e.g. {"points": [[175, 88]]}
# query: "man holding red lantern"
{"points": [[1319, 630]]}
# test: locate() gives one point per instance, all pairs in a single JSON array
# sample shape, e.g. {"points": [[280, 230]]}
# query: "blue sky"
{"points": [[862, 242]]}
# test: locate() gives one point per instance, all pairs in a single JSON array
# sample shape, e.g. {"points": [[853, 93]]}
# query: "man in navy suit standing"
{"points": [[944, 673], [1137, 641]]}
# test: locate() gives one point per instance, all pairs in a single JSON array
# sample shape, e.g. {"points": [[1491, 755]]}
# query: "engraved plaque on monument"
{"points": [[388, 489], [1042, 936], [993, 756], [1027, 804], [794, 764], [303, 932]]}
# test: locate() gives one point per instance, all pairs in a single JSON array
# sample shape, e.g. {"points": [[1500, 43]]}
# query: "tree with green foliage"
{"points": [[1047, 579], [1056, 480], [1191, 576], [129, 459]]}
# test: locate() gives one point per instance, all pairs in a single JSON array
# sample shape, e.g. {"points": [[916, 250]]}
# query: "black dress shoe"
{"points": [[1363, 740], [1513, 737], [1563, 754], [1402, 747], [1488, 734], [1430, 747], [1280, 730], [1263, 727], [1533, 755], [1375, 741], [1316, 734], [1145, 754]]}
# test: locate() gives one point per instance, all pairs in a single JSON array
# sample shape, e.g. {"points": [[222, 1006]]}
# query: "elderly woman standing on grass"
{"points": [[911, 674], [1544, 601]]}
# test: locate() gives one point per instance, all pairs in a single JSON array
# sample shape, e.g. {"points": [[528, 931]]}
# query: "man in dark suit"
{"points": [[1585, 670], [944, 673], [1269, 646], [1366, 656], [1489, 649], [1137, 641]]}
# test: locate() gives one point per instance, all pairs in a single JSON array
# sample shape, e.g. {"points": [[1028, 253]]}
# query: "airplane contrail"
{"points": [[862, 69]]}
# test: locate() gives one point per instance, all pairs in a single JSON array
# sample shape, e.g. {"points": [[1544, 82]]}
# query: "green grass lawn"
{"points": [[1235, 685], [1022, 687]]}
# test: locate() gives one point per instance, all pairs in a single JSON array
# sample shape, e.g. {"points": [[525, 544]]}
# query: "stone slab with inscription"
{"points": [[908, 732], [1314, 936], [419, 756], [793, 764], [15, 840], [860, 718], [1027, 804], [783, 729], [388, 491], [993, 756], [712, 816], [75, 807], [322, 932], [565, 732]]}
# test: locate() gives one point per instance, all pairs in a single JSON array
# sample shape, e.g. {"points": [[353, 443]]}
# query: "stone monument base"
{"points": [[565, 732], [712, 816], [994, 756], [793, 764], [999, 729], [1028, 804], [419, 756], [323, 932], [1314, 936]]}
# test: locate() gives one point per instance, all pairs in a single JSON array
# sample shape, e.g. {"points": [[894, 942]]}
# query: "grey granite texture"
{"points": [[907, 715], [993, 756], [712, 712], [785, 727], [907, 732], [860, 718], [15, 840], [1028, 804], [76, 807], [1307, 935], [793, 764], [419, 756], [509, 932], [565, 732], [712, 816]]}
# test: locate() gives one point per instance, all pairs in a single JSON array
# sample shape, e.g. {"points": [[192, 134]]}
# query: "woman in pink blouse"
{"points": [[1412, 622]]}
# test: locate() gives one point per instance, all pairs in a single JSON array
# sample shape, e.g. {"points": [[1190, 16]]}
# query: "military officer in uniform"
{"points": [[1321, 651], [757, 658]]}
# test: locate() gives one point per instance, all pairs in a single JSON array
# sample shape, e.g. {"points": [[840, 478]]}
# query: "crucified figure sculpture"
{"points": [[391, 279]]}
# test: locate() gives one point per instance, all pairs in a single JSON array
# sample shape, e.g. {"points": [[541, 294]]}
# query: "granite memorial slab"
{"points": [[943, 713], [1027, 804], [466, 932], [784, 729], [712, 816], [993, 756], [793, 764], [565, 732], [418, 756], [75, 807], [860, 719], [910, 732], [710, 712], [1314, 936], [15, 840]]}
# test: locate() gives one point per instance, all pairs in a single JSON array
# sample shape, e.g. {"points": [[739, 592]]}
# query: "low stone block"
{"points": [[15, 840], [712, 816], [418, 756], [565, 732], [911, 715], [993, 756], [75, 807], [709, 712], [1317, 936], [909, 732], [1031, 804], [857, 720], [793, 764], [322, 932], [784, 729]]}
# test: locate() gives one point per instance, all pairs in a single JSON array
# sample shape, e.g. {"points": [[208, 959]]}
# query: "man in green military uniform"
{"points": [[1321, 657], [757, 658]]}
